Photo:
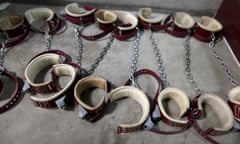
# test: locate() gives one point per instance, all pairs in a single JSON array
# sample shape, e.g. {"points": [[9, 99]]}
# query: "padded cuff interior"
{"points": [[234, 95], [126, 18], [137, 95], [105, 16], [86, 83], [37, 14], [38, 64], [74, 10], [145, 14], [183, 20], [179, 97], [210, 24], [10, 22], [221, 108]]}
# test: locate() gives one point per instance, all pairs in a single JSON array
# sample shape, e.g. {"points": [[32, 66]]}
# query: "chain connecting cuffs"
{"points": [[99, 58], [188, 65], [48, 40], [221, 62], [158, 56], [135, 58]]}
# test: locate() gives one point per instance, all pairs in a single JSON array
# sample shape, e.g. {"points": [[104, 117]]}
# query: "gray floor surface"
{"points": [[26, 124]]}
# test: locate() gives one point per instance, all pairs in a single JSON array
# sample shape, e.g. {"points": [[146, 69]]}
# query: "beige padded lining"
{"points": [[74, 10], [36, 14], [137, 95], [210, 24], [127, 18], [39, 63], [60, 70], [105, 16], [234, 95], [179, 97], [10, 22], [145, 14], [86, 83], [221, 108], [183, 20]]}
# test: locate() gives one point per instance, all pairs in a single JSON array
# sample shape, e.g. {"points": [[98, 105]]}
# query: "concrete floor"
{"points": [[26, 124]]}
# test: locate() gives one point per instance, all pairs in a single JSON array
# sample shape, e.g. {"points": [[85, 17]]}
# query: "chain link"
{"points": [[188, 65], [80, 46], [99, 58], [135, 58], [221, 62], [158, 56], [101, 55], [48, 40], [3, 52]]}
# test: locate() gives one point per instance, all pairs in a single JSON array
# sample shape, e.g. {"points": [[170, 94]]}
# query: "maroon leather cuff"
{"points": [[72, 14], [176, 31], [85, 20], [52, 86], [155, 26], [124, 35], [235, 108], [55, 25], [92, 113], [176, 27], [17, 35], [52, 22], [68, 94], [14, 99], [205, 36]]}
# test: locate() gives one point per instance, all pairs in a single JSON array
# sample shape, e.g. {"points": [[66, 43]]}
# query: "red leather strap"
{"points": [[128, 130], [204, 134], [19, 34], [14, 99], [154, 75]]}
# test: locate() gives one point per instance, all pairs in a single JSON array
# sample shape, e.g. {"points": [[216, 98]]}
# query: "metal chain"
{"points": [[135, 58], [158, 56], [188, 65], [101, 55], [80, 46], [221, 62], [99, 58], [48, 40], [3, 52]]}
